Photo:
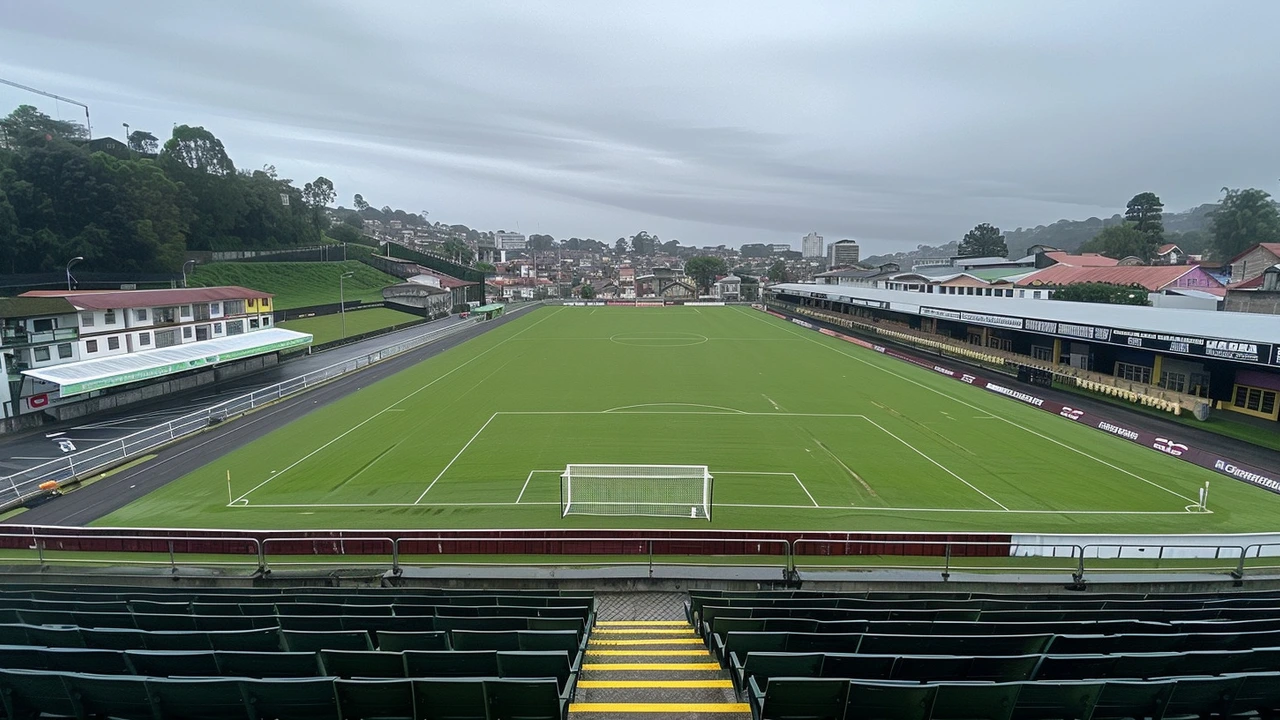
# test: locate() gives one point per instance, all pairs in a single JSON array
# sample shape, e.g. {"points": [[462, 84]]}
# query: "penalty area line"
{"points": [[944, 468]]}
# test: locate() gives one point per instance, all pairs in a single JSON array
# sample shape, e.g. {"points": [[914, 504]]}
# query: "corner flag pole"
{"points": [[229, 498]]}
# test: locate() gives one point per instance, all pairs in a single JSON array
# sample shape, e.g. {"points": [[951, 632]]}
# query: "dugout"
{"points": [[488, 312], [1230, 359]]}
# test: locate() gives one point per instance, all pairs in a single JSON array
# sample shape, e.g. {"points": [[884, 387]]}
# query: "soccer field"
{"points": [[800, 431]]}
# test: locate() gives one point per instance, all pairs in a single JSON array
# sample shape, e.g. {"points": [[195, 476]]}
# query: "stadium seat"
{"points": [[1064, 700], [1202, 696], [1133, 699], [450, 699], [199, 699], [291, 698], [539, 664], [267, 664], [312, 641], [28, 693], [975, 701], [764, 665], [890, 701], [808, 698], [485, 640], [1260, 693], [450, 663], [525, 699], [400, 641], [114, 696], [381, 699], [859, 667], [361, 664], [198, 663]]}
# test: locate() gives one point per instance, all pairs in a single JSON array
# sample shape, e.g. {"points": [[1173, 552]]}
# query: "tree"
{"points": [[26, 124], [541, 243], [486, 268], [354, 221], [586, 292], [1097, 292], [1146, 212], [344, 233], [704, 269], [1245, 218], [984, 240], [195, 148], [642, 243], [359, 203], [318, 193], [1121, 241], [141, 141], [777, 272], [620, 247]]}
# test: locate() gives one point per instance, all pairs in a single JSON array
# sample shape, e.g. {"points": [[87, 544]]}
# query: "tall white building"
{"points": [[509, 241], [779, 247], [844, 253], [811, 246]]}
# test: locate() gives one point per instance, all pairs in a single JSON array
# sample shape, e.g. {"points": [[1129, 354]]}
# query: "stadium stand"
{"points": [[294, 653], [1005, 657]]}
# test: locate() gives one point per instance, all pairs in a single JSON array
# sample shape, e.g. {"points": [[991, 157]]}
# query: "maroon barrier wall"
{"points": [[1208, 459]]}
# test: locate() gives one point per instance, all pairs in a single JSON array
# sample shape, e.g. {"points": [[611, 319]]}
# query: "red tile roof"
{"points": [[110, 299], [1151, 277], [1082, 260]]}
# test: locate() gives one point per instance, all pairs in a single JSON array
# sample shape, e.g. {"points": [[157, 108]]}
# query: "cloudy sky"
{"points": [[895, 123]]}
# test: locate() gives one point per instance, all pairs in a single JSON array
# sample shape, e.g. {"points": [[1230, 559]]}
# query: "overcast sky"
{"points": [[894, 123]]}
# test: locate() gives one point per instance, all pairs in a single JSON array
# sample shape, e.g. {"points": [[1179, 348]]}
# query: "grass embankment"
{"points": [[298, 284], [327, 328]]}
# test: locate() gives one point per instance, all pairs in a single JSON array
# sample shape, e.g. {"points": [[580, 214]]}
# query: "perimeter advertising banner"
{"points": [[1168, 445]]}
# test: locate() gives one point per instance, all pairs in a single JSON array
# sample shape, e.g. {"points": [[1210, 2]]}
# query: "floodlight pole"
{"points": [[184, 272], [342, 301], [73, 261]]}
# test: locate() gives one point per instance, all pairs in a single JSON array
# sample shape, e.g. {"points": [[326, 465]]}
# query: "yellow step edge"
{"points": [[650, 641], [648, 653], [660, 707], [604, 667], [640, 631], [655, 684], [610, 623]]}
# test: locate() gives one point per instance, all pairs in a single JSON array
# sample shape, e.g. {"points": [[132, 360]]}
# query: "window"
{"points": [[113, 343], [253, 323], [235, 327], [266, 320], [1040, 352], [217, 328], [91, 346], [1134, 373], [1035, 294], [144, 338], [186, 333], [166, 314], [64, 351], [41, 354], [186, 311], [1257, 401], [215, 308], [166, 338], [86, 319], [202, 333], [1174, 381], [234, 307], [140, 314], [109, 317]]}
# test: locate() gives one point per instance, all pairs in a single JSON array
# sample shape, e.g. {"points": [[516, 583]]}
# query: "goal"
{"points": [[650, 490]]}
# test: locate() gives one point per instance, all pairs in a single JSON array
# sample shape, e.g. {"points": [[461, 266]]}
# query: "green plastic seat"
{"points": [[306, 641], [28, 693], [1133, 699], [764, 665], [361, 664], [809, 698], [199, 699], [890, 700], [975, 701], [195, 663], [83, 660], [380, 699], [1203, 696], [450, 663], [267, 664], [1064, 700], [292, 698], [525, 699], [857, 667], [401, 641], [539, 664], [485, 640], [114, 696], [449, 699], [1260, 693]]}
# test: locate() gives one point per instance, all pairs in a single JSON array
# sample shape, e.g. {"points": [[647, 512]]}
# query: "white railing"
{"points": [[27, 483]]}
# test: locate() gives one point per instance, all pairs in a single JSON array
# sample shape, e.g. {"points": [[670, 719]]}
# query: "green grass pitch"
{"points": [[800, 431], [327, 328]]}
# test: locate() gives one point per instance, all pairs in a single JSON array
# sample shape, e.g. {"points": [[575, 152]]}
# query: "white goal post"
{"points": [[649, 490]]}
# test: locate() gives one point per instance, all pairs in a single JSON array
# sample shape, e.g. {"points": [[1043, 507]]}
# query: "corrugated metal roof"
{"points": [[111, 299], [88, 375], [1151, 277], [1249, 327], [1082, 260]]}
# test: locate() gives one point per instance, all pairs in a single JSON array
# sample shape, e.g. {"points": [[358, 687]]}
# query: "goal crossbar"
{"points": [[636, 490]]}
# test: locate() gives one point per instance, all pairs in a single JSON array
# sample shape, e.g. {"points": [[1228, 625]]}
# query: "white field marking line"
{"points": [[392, 405], [24, 457], [455, 458], [775, 405], [616, 411], [972, 406], [526, 482], [944, 468], [404, 505], [714, 407], [747, 472], [838, 508]]}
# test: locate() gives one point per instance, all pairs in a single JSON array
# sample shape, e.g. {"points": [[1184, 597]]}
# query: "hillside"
{"points": [[1071, 234], [297, 284]]}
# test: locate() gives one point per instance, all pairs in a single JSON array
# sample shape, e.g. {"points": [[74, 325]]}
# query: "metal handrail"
{"points": [[25, 483]]}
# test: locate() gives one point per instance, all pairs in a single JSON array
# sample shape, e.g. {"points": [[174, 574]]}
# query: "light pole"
{"points": [[73, 261], [126, 133], [342, 301], [184, 272]]}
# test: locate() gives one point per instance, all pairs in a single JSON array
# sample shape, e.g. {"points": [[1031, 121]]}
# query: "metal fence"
{"points": [[26, 483]]}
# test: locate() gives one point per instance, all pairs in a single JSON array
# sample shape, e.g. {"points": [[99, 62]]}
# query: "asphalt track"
{"points": [[83, 505]]}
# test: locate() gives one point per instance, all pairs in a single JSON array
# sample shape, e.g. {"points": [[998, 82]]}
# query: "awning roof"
{"points": [[113, 299], [489, 308], [87, 375]]}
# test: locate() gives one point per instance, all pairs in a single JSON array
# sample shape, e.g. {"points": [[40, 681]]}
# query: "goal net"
{"points": [[652, 490]]}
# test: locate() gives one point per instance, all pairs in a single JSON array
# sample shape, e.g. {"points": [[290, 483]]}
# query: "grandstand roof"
{"points": [[87, 375], [1151, 277], [1081, 260], [111, 299]]}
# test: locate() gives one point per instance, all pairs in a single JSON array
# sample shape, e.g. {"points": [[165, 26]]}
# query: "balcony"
{"points": [[12, 336]]}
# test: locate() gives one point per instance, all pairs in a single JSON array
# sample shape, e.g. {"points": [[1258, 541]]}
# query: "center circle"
{"points": [[666, 339]]}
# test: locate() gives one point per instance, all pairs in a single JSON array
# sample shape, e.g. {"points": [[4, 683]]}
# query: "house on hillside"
{"points": [[858, 276], [1169, 254], [1258, 295], [728, 288], [1253, 262]]}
